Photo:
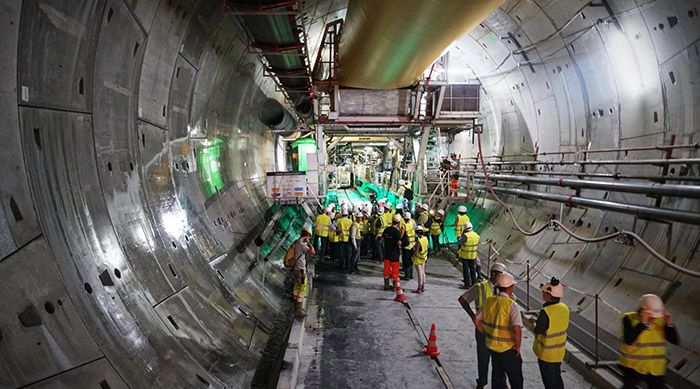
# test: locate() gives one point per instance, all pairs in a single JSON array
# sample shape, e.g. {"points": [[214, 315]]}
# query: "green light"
{"points": [[209, 166]]}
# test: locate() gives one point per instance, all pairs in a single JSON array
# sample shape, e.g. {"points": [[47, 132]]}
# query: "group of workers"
{"points": [[390, 235]]}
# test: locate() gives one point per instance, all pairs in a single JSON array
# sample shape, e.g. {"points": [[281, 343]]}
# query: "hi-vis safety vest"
{"points": [[462, 221], [485, 291], [435, 228], [496, 321], [421, 256], [468, 249], [364, 226], [358, 231], [551, 346], [423, 218], [411, 233], [380, 224], [323, 224], [344, 225], [647, 355], [333, 236]]}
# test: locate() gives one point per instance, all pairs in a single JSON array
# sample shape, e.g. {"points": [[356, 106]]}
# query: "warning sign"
{"points": [[286, 185]]}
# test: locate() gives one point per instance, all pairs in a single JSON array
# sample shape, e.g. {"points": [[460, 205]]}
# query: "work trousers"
{"points": [[407, 258], [482, 356], [436, 242], [391, 269], [469, 271], [345, 255], [333, 250], [551, 374], [355, 255], [420, 271], [323, 249], [378, 249], [632, 379], [507, 363], [366, 244]]}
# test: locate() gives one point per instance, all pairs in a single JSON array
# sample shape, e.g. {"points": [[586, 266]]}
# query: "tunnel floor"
{"points": [[357, 336]]}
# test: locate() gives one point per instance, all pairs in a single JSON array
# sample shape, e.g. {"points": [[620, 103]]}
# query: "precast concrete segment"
{"points": [[132, 191]]}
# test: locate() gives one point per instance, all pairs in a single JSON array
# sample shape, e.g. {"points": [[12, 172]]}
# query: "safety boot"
{"points": [[386, 284], [298, 309]]}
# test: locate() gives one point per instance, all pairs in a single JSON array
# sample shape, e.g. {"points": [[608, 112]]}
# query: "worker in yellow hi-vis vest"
{"points": [[478, 294], [500, 322], [321, 229], [643, 346], [468, 244], [343, 231], [460, 221], [550, 334]]}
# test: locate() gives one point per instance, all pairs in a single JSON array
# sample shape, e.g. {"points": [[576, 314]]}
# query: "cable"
{"points": [[558, 223]]}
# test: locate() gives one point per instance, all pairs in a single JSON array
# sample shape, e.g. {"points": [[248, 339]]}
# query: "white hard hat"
{"points": [[332, 215], [387, 205], [381, 202], [426, 206], [441, 212], [359, 214], [399, 206], [499, 267], [419, 228], [462, 209], [397, 218], [367, 208], [380, 211], [553, 287], [402, 182], [468, 226], [407, 215], [332, 206], [327, 210], [505, 280], [653, 304]]}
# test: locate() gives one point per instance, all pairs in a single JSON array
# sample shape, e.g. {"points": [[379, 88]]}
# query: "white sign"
{"points": [[286, 185]]}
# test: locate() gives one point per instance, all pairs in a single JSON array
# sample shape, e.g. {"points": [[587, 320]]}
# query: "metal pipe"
{"points": [[631, 209], [678, 161], [596, 329], [272, 114], [527, 304], [618, 150], [688, 191], [615, 176]]}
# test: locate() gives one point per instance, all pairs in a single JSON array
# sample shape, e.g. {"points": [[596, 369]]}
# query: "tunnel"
{"points": [[139, 246]]}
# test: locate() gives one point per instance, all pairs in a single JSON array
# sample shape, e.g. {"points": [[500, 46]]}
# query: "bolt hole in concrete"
{"points": [[104, 385], [117, 273], [88, 287], [60, 302], [619, 281], [201, 379], [16, 213], [49, 307], [172, 321]]}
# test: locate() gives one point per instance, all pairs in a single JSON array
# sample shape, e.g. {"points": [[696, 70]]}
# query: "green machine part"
{"points": [[210, 153], [300, 148]]}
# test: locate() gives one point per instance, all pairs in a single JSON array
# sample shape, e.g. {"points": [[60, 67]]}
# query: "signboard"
{"points": [[286, 185]]}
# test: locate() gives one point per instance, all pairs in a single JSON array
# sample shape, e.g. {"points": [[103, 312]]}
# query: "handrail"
{"points": [[612, 150], [315, 197], [621, 234]]}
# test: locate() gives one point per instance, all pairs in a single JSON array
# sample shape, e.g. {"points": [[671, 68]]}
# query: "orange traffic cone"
{"points": [[432, 348], [399, 293]]}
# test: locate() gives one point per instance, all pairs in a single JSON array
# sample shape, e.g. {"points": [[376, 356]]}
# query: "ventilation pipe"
{"points": [[388, 44], [304, 106], [272, 114]]}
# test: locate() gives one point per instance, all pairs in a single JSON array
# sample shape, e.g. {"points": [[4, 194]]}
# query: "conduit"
{"points": [[272, 114], [560, 225], [388, 44]]}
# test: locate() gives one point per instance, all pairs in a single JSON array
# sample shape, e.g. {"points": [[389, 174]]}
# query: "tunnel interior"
{"points": [[135, 151]]}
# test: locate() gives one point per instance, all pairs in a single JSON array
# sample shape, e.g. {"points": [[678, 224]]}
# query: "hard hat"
{"points": [[387, 205], [468, 226], [426, 207], [553, 287], [499, 267], [462, 209], [402, 182], [505, 280], [380, 211], [332, 215], [332, 206], [441, 212], [399, 206], [652, 304], [367, 208], [307, 229], [359, 214], [327, 210], [407, 215], [419, 228], [397, 218], [381, 202]]}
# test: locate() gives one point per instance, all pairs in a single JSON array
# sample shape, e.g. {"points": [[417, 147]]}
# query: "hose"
{"points": [[559, 224]]}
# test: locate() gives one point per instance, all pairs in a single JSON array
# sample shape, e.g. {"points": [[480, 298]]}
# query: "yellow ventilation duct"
{"points": [[387, 44]]}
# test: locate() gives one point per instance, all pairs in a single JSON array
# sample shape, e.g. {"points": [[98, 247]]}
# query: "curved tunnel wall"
{"points": [[132, 184], [594, 82]]}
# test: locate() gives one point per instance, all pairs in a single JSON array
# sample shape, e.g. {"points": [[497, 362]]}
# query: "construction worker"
{"points": [[643, 346], [407, 194], [343, 231], [437, 223], [302, 246], [409, 240], [392, 248], [500, 322], [365, 229], [356, 241], [460, 221], [379, 227], [321, 227], [399, 211], [478, 294], [333, 237], [388, 212], [550, 334], [420, 255], [468, 244], [424, 216]]}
